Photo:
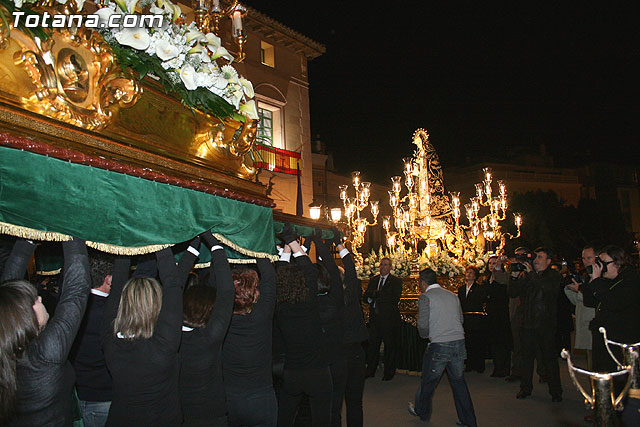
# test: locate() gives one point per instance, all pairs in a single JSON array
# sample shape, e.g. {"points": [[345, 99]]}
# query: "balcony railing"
{"points": [[276, 159]]}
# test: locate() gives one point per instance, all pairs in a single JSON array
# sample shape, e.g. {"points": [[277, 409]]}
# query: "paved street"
{"points": [[385, 403]]}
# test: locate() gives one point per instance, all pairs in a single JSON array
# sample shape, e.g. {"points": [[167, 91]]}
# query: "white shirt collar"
{"points": [[186, 329], [385, 277], [435, 285], [99, 292]]}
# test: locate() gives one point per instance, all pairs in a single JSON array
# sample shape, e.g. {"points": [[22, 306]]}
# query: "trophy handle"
{"points": [[633, 356], [608, 342], [589, 400]]}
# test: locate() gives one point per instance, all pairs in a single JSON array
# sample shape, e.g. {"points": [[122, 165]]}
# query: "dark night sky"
{"points": [[482, 79]]}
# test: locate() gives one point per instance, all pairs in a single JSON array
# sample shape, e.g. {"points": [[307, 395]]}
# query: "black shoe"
{"points": [[542, 380], [498, 375], [480, 371], [387, 378], [523, 395], [370, 375], [556, 398], [512, 378], [467, 369]]}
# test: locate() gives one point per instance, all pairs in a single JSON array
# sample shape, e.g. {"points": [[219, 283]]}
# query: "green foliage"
{"points": [[8, 18]]}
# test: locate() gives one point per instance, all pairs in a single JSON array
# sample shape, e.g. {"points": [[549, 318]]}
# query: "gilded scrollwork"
{"points": [[74, 74]]}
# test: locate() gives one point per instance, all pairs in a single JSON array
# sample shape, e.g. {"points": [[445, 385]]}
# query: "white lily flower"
{"points": [[221, 83], [165, 50], [188, 77], [194, 34], [249, 109], [156, 10], [79, 4], [17, 3], [247, 87], [213, 41], [131, 5], [137, 38], [197, 48], [221, 52], [104, 14]]}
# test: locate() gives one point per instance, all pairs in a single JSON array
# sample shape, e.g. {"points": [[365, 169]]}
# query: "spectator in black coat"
{"points": [[499, 325], [614, 291], [473, 296], [36, 379], [93, 380]]}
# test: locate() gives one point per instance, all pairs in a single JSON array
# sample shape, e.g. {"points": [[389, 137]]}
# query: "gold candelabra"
{"points": [[355, 224], [487, 226], [422, 214], [209, 14]]}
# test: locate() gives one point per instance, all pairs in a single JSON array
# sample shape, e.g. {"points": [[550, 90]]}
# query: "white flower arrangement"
{"points": [[441, 263], [400, 264], [180, 55]]}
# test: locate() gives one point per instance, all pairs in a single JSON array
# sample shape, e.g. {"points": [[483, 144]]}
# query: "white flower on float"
{"points": [[197, 48], [137, 38], [165, 50], [174, 63], [104, 14], [194, 34], [229, 73], [247, 87], [221, 52], [188, 77], [249, 109], [131, 5], [213, 41], [17, 3]]}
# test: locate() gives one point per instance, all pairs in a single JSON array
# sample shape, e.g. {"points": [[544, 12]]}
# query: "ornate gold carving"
{"points": [[75, 77]]}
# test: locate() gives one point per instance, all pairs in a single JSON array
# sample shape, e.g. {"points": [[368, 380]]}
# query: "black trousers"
{"points": [[545, 340], [354, 387], [501, 358], [316, 384], [387, 331], [475, 341]]}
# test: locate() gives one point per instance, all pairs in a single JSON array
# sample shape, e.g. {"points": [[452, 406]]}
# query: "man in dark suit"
{"points": [[472, 297], [383, 295]]}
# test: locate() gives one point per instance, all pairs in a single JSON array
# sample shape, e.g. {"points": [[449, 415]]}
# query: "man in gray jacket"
{"points": [[440, 320]]}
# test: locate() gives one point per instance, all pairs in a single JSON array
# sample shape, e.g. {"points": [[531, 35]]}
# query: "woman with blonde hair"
{"points": [[36, 380], [141, 335]]}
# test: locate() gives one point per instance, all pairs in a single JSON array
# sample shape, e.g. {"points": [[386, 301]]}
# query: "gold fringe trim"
{"points": [[31, 233], [126, 250], [243, 251], [50, 236], [231, 261], [49, 273]]}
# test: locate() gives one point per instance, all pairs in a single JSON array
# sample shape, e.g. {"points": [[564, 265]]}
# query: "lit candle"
{"points": [[237, 22], [336, 214], [314, 212]]}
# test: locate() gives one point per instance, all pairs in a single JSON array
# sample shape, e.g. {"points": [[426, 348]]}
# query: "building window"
{"points": [[266, 54], [270, 125]]}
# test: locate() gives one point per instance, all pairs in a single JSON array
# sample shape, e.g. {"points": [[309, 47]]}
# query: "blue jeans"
{"points": [[94, 414], [437, 357]]}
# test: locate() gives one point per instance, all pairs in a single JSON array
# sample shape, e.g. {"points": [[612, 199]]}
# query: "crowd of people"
{"points": [[520, 312], [282, 344], [249, 346]]}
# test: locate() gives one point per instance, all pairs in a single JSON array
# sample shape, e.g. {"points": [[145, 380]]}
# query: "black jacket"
{"points": [[385, 300], [538, 294], [473, 304], [201, 349], [617, 304], [355, 331], [45, 376]]}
